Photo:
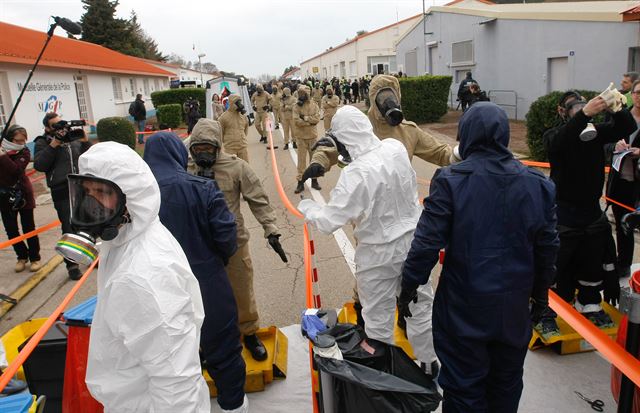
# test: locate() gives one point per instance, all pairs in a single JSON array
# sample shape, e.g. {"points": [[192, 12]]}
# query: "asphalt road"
{"points": [[280, 288]]}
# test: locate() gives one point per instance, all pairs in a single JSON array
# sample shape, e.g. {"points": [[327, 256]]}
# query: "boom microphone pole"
{"points": [[70, 27]]}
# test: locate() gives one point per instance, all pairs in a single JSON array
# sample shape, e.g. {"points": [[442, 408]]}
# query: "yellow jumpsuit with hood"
{"points": [[235, 177], [235, 127]]}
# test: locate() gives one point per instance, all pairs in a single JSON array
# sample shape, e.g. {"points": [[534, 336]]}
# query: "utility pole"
{"points": [[201, 55]]}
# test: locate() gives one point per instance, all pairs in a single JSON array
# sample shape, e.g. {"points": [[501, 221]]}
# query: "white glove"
{"points": [[307, 205], [455, 155], [615, 100]]}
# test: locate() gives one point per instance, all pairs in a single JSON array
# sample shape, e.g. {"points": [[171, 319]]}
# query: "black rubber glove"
{"points": [[611, 288], [539, 304], [408, 293], [630, 222], [265, 107], [274, 241], [255, 109], [314, 170]]}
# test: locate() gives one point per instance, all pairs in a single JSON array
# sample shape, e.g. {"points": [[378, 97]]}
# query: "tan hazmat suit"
{"points": [[317, 95], [235, 127], [330, 105], [288, 102], [276, 105], [235, 177], [261, 101], [305, 118]]}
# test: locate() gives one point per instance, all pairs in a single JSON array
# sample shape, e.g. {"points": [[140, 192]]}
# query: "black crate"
{"points": [[44, 368]]}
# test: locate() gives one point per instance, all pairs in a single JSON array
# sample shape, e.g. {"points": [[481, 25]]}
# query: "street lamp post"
{"points": [[201, 55]]}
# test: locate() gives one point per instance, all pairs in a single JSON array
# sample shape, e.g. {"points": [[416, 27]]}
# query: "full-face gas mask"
{"points": [[98, 209], [240, 107], [205, 156], [344, 158], [302, 97], [572, 103], [387, 103]]}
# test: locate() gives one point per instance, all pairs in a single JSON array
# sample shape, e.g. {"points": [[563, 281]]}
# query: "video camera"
{"points": [[69, 131]]}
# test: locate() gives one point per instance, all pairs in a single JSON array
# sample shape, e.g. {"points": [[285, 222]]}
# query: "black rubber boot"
{"points": [[263, 139], [286, 146], [315, 185], [295, 145], [255, 347], [299, 188]]}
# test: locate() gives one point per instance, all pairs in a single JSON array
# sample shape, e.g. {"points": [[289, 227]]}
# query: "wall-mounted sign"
{"points": [[52, 104], [46, 87]]}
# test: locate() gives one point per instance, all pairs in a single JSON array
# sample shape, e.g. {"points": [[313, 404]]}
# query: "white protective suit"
{"points": [[145, 336], [378, 193]]}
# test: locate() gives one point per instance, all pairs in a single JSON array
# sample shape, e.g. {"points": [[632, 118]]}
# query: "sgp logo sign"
{"points": [[52, 104]]}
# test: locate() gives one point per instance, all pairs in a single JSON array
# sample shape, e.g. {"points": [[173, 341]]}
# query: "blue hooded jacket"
{"points": [[193, 209], [496, 220]]}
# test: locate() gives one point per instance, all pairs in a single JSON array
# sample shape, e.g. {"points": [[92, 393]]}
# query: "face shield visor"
{"points": [[98, 209], [387, 103]]}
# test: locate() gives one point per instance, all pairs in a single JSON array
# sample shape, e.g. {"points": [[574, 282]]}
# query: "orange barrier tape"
{"points": [[612, 351], [153, 131], [30, 172], [29, 234], [307, 253], [35, 339], [38, 178]]}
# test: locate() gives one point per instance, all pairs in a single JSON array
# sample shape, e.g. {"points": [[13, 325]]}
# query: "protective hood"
{"points": [[304, 90], [232, 103], [286, 91], [484, 127], [121, 165], [259, 88], [377, 84], [165, 154], [352, 128], [206, 131]]}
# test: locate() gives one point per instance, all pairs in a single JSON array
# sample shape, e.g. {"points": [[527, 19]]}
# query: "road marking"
{"points": [[345, 245]]}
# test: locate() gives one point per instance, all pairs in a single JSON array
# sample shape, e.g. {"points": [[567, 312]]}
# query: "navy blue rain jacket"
{"points": [[496, 219], [207, 235]]}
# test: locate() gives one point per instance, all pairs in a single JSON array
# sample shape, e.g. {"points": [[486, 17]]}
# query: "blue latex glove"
{"points": [[312, 325]]}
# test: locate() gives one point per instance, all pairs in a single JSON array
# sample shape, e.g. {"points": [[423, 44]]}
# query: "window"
{"points": [[335, 70], [634, 59], [343, 69], [117, 88], [81, 97], [352, 69], [132, 87], [381, 64], [145, 85], [462, 52], [156, 84]]}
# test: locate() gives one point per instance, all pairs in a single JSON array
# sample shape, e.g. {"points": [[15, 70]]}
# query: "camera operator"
{"points": [[56, 154], [586, 259]]}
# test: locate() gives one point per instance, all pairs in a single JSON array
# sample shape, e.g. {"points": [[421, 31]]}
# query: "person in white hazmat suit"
{"points": [[377, 193], [143, 354]]}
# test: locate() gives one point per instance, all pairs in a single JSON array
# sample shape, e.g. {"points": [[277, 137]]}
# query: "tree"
{"points": [[209, 67], [100, 26], [290, 68], [361, 32], [176, 59]]}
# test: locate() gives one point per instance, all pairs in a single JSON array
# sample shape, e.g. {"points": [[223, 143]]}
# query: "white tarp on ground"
{"points": [[292, 394]]}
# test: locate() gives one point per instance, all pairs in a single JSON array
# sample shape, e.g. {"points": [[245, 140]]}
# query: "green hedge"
{"points": [[542, 116], [425, 98], [116, 129], [169, 116], [180, 96]]}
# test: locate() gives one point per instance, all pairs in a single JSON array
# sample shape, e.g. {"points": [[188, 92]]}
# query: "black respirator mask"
{"points": [[387, 103], [206, 159], [98, 209], [344, 158], [302, 99], [240, 107]]}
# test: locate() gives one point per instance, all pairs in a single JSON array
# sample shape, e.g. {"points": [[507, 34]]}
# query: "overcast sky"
{"points": [[243, 36]]}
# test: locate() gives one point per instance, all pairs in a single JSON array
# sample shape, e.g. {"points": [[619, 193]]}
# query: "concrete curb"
{"points": [[31, 283]]}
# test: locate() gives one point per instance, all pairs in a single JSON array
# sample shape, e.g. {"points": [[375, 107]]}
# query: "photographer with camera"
{"points": [[56, 154], [16, 197]]}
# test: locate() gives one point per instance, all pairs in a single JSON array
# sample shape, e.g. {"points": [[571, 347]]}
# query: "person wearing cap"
{"points": [[586, 259], [16, 197], [57, 157]]}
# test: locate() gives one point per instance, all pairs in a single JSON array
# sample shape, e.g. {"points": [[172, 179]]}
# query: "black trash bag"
{"points": [[375, 376]]}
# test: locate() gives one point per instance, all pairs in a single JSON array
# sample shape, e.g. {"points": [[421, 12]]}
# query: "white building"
{"points": [[182, 74], [519, 52], [76, 79], [367, 54]]}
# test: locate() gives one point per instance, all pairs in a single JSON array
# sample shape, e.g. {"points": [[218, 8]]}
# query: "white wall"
{"points": [[376, 44], [54, 90]]}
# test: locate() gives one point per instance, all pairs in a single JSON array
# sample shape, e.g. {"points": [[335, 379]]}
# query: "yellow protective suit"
{"points": [[235, 177], [305, 118], [261, 101], [235, 127], [288, 102], [330, 103]]}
